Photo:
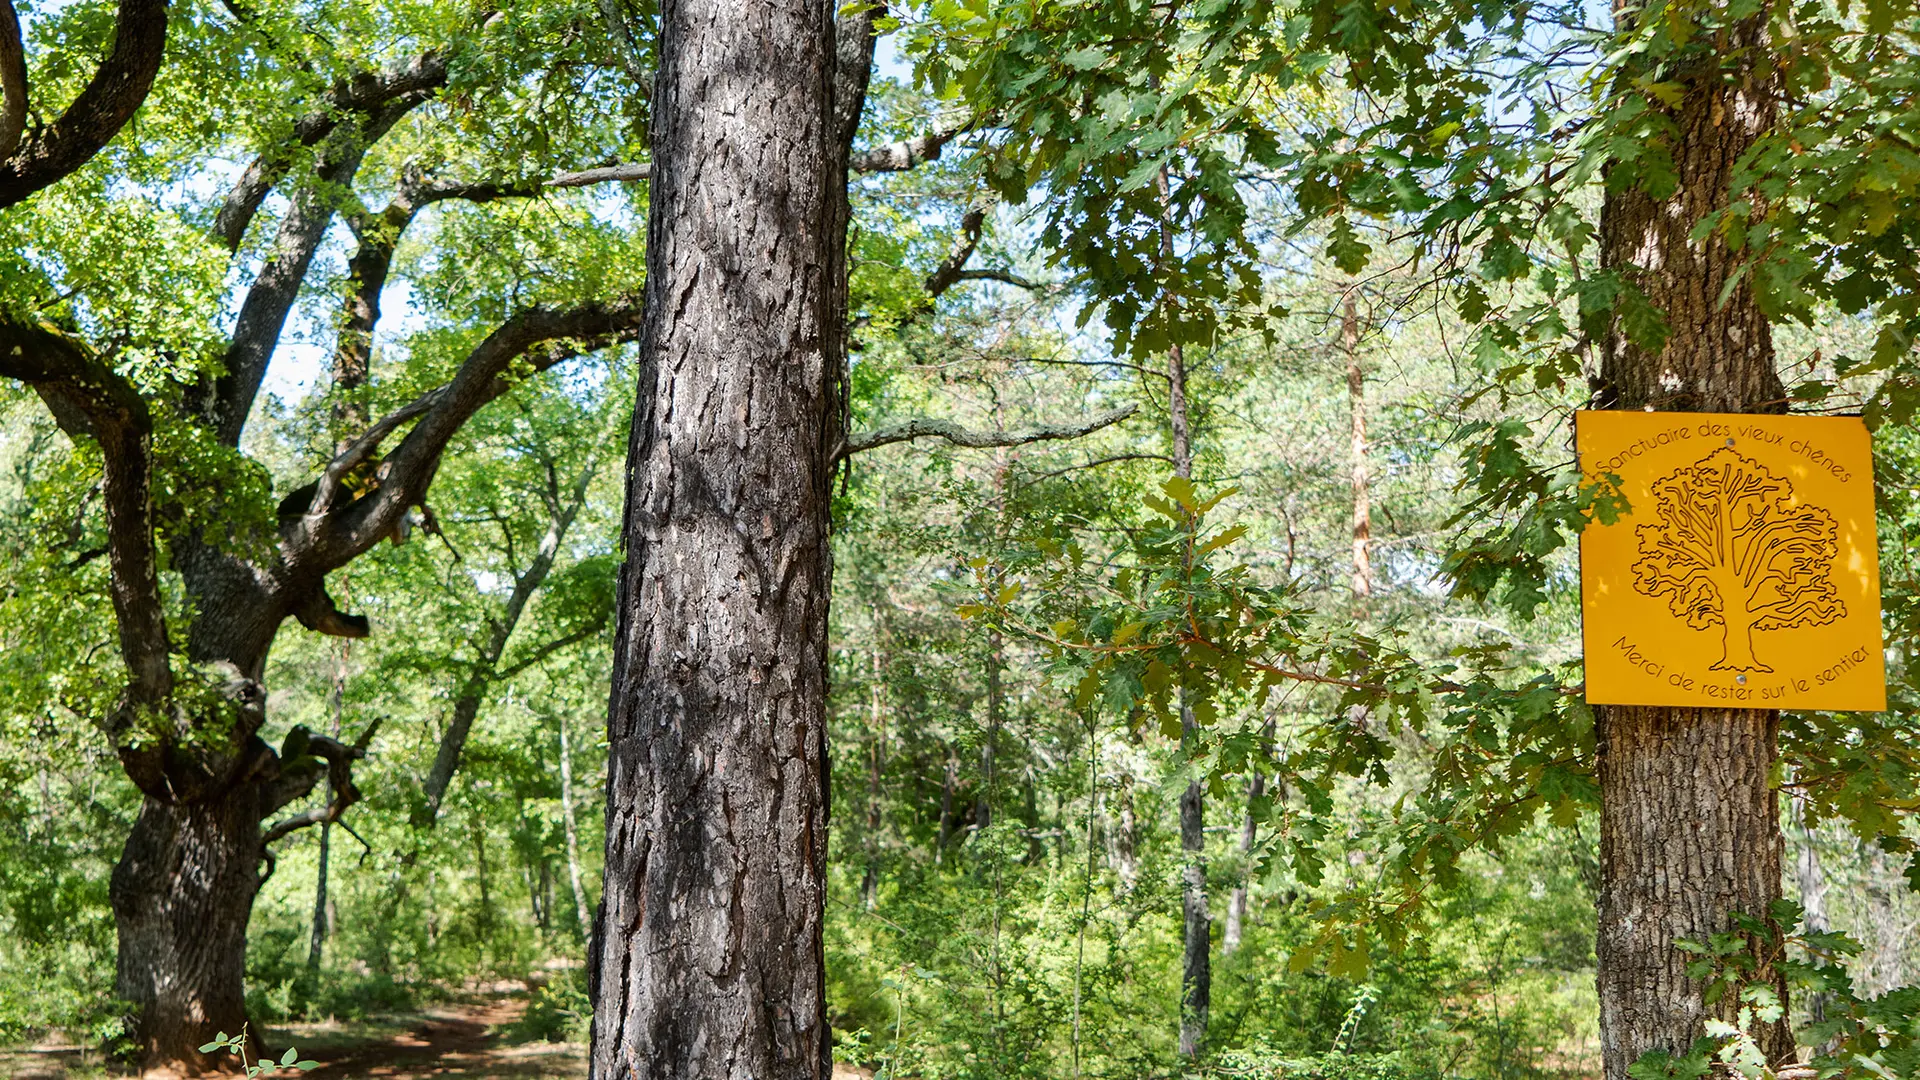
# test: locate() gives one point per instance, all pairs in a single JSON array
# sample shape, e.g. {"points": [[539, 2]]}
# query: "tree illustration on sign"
{"points": [[1732, 549]]}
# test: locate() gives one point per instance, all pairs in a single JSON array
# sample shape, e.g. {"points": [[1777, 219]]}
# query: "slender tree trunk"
{"points": [[710, 961], [1122, 850], [1196, 968], [876, 752], [1690, 826], [1196, 972], [484, 922], [1249, 824], [181, 895], [317, 940], [996, 689], [322, 920], [568, 818], [1810, 878], [1357, 451], [1237, 900], [983, 805], [1886, 933], [947, 788]]}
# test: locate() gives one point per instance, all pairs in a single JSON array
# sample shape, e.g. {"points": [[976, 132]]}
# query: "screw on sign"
{"points": [[1744, 568]]}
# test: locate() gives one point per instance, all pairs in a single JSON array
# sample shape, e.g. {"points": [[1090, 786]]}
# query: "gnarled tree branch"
{"points": [[263, 313], [947, 273], [541, 337], [91, 400], [379, 236], [929, 428], [118, 87], [365, 95], [339, 757]]}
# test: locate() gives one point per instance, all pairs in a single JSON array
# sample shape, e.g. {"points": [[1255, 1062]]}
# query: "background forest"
{"points": [[1007, 865]]}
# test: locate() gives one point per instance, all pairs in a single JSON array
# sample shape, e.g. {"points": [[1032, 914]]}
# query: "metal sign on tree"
{"points": [[1744, 571]]}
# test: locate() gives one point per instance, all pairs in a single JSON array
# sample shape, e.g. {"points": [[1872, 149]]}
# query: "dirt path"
{"points": [[453, 1042]]}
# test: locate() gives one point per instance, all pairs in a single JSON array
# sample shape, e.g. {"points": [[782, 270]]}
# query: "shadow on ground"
{"points": [[451, 1042]]}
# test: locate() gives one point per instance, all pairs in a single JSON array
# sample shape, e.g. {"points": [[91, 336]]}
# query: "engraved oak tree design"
{"points": [[1732, 550]]}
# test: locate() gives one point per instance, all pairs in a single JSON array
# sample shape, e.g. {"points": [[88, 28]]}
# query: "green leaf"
{"points": [[1222, 539]]}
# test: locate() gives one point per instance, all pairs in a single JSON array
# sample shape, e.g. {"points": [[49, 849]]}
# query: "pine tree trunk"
{"points": [[710, 960], [181, 895], [1690, 829]]}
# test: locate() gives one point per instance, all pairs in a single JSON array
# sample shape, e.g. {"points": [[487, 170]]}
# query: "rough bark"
{"points": [[710, 959], [13, 81], [181, 896], [1690, 829]]}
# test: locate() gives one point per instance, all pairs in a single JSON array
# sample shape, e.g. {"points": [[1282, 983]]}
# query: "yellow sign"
{"points": [[1746, 572]]}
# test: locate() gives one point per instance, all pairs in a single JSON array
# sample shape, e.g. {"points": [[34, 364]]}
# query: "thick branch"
{"points": [[854, 40], [924, 428], [372, 261], [620, 173], [1004, 277], [13, 81], [366, 95], [80, 389], [118, 87], [903, 155], [541, 337], [948, 272], [263, 314]]}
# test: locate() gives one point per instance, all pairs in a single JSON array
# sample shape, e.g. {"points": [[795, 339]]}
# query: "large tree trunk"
{"points": [[181, 894], [1690, 828], [710, 960]]}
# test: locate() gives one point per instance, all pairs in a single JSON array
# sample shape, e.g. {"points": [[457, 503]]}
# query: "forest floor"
{"points": [[456, 1041], [463, 1041], [451, 1042]]}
